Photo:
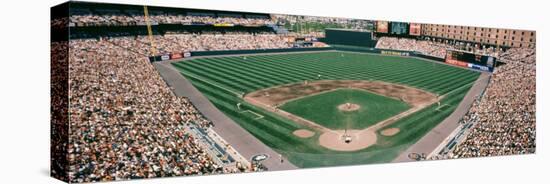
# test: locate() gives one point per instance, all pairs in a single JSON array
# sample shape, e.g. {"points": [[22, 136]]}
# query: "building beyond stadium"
{"points": [[483, 35]]}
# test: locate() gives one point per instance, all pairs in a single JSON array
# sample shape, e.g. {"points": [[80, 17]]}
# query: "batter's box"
{"points": [[255, 115]]}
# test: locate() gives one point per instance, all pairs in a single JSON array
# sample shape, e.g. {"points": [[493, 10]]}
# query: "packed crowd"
{"points": [[431, 47], [172, 43], [87, 18], [125, 121], [59, 23], [406, 44], [504, 118], [59, 108], [356, 24], [228, 41]]}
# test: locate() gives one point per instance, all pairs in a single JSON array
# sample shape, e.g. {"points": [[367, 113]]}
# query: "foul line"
{"points": [[441, 106], [258, 116], [471, 84]]}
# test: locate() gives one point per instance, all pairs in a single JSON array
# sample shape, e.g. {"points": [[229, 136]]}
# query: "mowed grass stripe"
{"points": [[247, 80], [193, 70], [435, 83], [254, 82], [282, 64], [316, 65], [370, 66], [189, 70], [272, 78], [348, 69], [258, 65], [352, 68], [231, 80], [412, 77], [455, 83], [304, 70], [428, 82], [252, 67]]}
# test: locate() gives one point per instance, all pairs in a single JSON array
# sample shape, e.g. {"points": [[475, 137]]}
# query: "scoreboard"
{"points": [[399, 28], [470, 60]]}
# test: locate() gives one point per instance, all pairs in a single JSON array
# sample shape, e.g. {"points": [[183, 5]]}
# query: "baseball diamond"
{"points": [[323, 108], [301, 92]]}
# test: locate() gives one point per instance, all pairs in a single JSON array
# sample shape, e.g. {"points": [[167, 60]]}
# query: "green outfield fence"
{"points": [[349, 37], [258, 51], [349, 48]]}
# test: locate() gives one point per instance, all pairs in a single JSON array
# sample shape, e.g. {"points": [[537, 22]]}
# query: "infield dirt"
{"points": [[278, 95], [273, 97]]}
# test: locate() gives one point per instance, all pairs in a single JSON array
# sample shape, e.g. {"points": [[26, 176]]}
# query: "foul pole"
{"points": [[149, 31]]}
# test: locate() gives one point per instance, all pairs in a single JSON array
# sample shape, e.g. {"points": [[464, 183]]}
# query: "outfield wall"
{"points": [[173, 56], [384, 52], [349, 37], [307, 49]]}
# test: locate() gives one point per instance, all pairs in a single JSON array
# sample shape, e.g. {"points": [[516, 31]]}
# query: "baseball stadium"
{"points": [[159, 91]]}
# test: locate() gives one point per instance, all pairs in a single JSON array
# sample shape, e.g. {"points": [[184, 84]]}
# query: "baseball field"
{"points": [[303, 105]]}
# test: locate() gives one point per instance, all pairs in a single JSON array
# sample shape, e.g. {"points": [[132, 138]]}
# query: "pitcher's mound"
{"points": [[348, 107], [303, 133], [390, 131], [360, 139]]}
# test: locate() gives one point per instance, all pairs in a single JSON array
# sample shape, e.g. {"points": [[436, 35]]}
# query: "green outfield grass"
{"points": [[323, 108], [223, 79]]}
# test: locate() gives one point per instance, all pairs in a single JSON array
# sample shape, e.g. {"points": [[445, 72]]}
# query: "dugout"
{"points": [[349, 37]]}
